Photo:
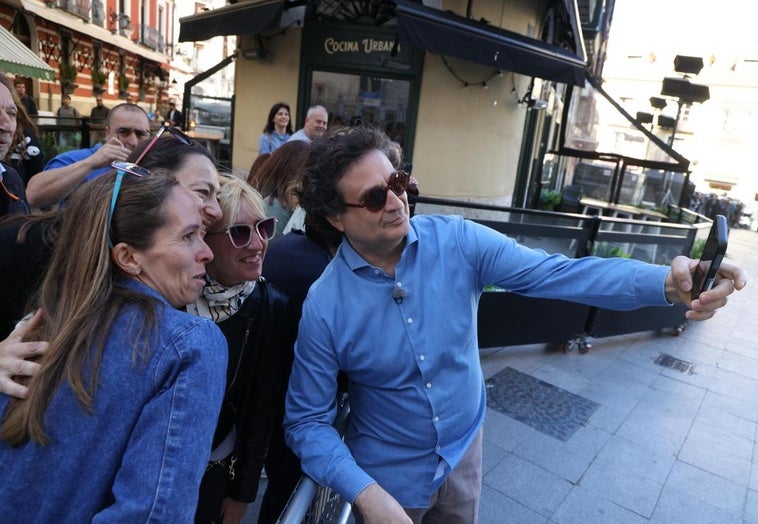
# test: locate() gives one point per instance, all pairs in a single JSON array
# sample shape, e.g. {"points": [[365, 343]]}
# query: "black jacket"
{"points": [[256, 382]]}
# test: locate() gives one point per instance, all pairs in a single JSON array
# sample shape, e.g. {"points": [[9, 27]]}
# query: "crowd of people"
{"points": [[170, 331]]}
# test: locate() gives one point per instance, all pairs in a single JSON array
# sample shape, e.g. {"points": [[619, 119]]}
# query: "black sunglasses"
{"points": [[181, 137], [241, 235], [376, 197]]}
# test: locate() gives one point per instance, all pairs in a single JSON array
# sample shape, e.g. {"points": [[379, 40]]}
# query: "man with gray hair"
{"points": [[316, 120]]}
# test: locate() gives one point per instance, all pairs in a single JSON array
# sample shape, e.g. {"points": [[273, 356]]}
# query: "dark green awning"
{"points": [[242, 18], [448, 33], [18, 59]]}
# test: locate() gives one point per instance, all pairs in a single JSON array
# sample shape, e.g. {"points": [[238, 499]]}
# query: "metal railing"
{"points": [[311, 503]]}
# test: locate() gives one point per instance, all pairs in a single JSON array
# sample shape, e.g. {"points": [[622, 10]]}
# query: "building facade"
{"points": [[112, 48]]}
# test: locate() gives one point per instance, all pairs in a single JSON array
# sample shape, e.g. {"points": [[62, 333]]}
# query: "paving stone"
{"points": [[707, 487], [589, 507], [676, 506], [547, 408], [628, 489]]}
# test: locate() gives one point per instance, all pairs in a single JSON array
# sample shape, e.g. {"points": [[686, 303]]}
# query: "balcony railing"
{"points": [[80, 8]]}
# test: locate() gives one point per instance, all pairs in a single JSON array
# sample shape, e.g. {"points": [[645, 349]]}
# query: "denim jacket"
{"points": [[140, 455]]}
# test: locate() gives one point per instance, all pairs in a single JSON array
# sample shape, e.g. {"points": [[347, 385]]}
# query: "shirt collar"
{"points": [[355, 261]]}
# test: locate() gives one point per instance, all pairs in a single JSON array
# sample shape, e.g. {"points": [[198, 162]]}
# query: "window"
{"points": [[353, 99]]}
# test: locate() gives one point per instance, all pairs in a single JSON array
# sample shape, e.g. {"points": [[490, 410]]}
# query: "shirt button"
{"points": [[410, 320], [428, 385], [422, 357], [436, 419], [376, 271], [438, 448]]}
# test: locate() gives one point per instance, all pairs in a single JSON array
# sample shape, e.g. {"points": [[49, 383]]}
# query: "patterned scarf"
{"points": [[217, 302]]}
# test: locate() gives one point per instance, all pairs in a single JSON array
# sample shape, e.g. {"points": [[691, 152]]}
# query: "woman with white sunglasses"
{"points": [[250, 313]]}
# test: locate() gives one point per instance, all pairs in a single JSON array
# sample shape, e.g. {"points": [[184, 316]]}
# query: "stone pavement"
{"points": [[612, 437]]}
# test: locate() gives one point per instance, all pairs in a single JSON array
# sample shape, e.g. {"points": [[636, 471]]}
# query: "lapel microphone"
{"points": [[399, 294]]}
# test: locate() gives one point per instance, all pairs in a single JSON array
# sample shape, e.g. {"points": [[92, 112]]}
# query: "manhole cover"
{"points": [[546, 408], [668, 361]]}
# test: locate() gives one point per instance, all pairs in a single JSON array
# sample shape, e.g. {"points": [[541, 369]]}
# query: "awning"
{"points": [[18, 59], [242, 18], [450, 34]]}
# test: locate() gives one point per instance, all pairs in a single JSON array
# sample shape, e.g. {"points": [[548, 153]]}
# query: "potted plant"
{"points": [[123, 84], [549, 199], [98, 81], [68, 77]]}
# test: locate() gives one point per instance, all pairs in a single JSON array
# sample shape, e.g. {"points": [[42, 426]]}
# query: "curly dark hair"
{"points": [[329, 159]]}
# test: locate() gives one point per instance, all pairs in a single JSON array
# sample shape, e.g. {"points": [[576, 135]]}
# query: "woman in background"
{"points": [[278, 128], [279, 178]]}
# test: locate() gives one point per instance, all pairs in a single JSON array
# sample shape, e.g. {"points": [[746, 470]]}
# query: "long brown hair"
{"points": [[281, 174], [82, 294]]}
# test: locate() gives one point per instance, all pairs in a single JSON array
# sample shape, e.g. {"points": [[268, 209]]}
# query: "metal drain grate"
{"points": [[546, 408], [668, 361]]}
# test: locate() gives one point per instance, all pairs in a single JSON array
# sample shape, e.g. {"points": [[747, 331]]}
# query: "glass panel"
{"points": [[595, 125], [353, 99]]}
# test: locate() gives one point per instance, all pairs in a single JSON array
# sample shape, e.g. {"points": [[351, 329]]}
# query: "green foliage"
{"points": [[98, 78], [606, 250], [550, 199], [123, 82], [67, 73]]}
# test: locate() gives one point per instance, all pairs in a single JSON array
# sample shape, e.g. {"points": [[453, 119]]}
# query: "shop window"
{"points": [[353, 99]]}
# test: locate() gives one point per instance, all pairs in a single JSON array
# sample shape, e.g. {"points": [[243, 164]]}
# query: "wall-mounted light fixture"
{"points": [[256, 53]]}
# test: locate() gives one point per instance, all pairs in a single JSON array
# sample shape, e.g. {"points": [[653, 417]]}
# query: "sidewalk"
{"points": [[623, 439]]}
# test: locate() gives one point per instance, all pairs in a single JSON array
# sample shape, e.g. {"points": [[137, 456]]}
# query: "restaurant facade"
{"points": [[473, 92]]}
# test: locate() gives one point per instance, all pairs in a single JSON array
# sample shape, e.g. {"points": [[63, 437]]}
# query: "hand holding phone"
{"points": [[710, 260]]}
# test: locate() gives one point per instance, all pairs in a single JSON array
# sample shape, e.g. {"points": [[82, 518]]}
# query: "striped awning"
{"points": [[18, 59]]}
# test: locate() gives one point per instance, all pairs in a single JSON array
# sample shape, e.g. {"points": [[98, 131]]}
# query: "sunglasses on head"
{"points": [[122, 168], [181, 137], [240, 235], [376, 198]]}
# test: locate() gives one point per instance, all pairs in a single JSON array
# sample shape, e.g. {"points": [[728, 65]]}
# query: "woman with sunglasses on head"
{"points": [[119, 418], [250, 313], [190, 163]]}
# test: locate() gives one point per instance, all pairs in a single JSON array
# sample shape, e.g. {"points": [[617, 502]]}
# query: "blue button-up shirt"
{"points": [[270, 142], [417, 391]]}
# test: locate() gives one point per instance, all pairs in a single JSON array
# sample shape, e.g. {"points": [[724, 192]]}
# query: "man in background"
{"points": [[174, 117], [67, 115], [97, 118], [127, 125], [27, 101], [316, 120]]}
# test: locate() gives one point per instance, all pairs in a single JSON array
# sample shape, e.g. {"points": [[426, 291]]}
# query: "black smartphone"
{"points": [[713, 253]]}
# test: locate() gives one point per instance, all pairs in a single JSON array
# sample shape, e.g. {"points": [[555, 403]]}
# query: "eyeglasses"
{"points": [[125, 132], [241, 235], [376, 197], [181, 137], [122, 168]]}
